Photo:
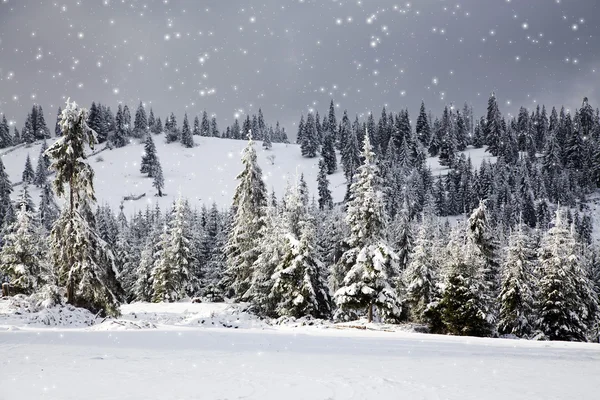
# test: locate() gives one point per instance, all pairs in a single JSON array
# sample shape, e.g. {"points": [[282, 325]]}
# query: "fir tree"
{"points": [[159, 182], [151, 122], [325, 200], [149, 158], [351, 155], [299, 285], [5, 190], [214, 128], [267, 144], [21, 258], [205, 127], [249, 202], [171, 276], [196, 131], [6, 139], [309, 141], [28, 173], [57, 130], [419, 276], [187, 139], [41, 171], [370, 264], [516, 294], [119, 138], [422, 129], [140, 124], [565, 294], [171, 129], [16, 137], [328, 153], [85, 265], [48, 209]]}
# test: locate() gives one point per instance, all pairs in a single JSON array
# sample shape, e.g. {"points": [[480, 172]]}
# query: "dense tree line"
{"points": [[520, 261]]}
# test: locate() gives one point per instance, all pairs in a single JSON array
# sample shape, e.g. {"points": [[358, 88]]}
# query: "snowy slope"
{"points": [[203, 174], [261, 362]]}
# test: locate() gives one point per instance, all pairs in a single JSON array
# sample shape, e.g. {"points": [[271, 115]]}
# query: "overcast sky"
{"points": [[231, 57]]}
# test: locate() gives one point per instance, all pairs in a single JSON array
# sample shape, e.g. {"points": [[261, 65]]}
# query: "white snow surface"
{"points": [[161, 351], [203, 174]]}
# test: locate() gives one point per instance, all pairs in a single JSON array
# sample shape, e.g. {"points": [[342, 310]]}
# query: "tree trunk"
{"points": [[370, 313]]}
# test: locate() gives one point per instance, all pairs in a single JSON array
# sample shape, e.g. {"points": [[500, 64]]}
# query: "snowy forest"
{"points": [[503, 249]]}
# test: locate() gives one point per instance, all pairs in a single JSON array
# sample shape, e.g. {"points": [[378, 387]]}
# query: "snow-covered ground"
{"points": [[202, 174], [175, 357]]}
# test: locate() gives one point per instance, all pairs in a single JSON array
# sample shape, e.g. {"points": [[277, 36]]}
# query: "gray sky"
{"points": [[288, 56]]}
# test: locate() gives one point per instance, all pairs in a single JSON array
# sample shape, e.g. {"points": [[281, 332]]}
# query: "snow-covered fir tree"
{"points": [[158, 182], [187, 139], [21, 257], [370, 264], [85, 265], [249, 203], [325, 199], [149, 158], [28, 173], [517, 289], [171, 277]]}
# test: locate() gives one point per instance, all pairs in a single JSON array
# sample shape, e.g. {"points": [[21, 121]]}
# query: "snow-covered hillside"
{"points": [[176, 356], [203, 174]]}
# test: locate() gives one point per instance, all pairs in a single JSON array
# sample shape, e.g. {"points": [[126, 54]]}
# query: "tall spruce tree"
{"points": [[149, 158], [28, 174], [249, 202], [325, 199], [85, 265], [369, 265], [187, 139], [140, 124]]}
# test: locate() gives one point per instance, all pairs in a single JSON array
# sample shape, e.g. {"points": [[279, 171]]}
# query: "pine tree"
{"points": [[151, 122], [205, 127], [565, 293], [448, 141], [57, 129], [351, 155], [119, 138], [5, 190], [85, 265], [299, 285], [420, 274], [516, 294], [309, 141], [267, 143], [21, 258], [171, 129], [171, 275], [42, 131], [325, 199], [48, 209], [96, 122], [27, 133], [127, 121], [328, 153], [196, 131], [369, 266], [28, 173], [140, 124], [493, 128], [465, 300], [158, 127], [149, 158], [16, 137], [159, 182], [249, 202], [214, 128], [187, 139], [6, 139], [41, 171], [422, 129]]}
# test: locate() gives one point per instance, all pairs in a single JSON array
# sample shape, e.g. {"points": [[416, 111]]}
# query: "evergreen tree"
{"points": [[196, 131], [205, 127], [140, 124], [159, 182], [299, 285], [96, 122], [171, 129], [158, 127], [267, 144], [422, 129], [41, 171], [42, 131], [448, 141], [119, 138], [149, 158], [187, 139], [48, 209], [21, 258], [5, 190], [369, 265], [309, 141], [142, 289], [516, 294], [6, 139], [127, 121], [151, 122], [171, 275], [493, 127], [465, 300], [27, 133], [325, 200], [16, 137], [249, 202], [351, 155], [214, 128], [420, 274], [57, 130], [85, 264], [28, 173], [565, 294], [328, 153]]}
